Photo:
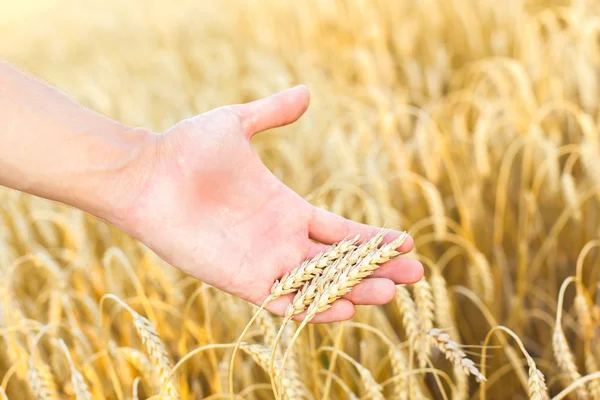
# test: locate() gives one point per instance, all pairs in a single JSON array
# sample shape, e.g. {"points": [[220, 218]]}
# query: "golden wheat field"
{"points": [[474, 124]]}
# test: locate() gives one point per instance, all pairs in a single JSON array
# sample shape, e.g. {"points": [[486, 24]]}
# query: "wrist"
{"points": [[117, 176]]}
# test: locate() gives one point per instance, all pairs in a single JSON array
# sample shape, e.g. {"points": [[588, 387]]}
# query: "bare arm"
{"points": [[53, 147], [198, 195]]}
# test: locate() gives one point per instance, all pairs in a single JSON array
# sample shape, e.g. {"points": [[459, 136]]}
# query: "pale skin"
{"points": [[198, 195]]}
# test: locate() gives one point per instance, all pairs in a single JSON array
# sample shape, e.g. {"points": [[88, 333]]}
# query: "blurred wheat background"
{"points": [[472, 123]]}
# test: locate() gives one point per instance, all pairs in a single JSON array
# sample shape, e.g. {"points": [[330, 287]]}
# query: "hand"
{"points": [[209, 206]]}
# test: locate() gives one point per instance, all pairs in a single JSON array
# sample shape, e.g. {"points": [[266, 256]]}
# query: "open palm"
{"points": [[211, 208]]}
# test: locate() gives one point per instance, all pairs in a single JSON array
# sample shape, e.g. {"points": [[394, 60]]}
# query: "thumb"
{"points": [[274, 111]]}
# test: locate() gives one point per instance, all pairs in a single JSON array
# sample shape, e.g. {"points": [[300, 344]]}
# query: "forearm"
{"points": [[53, 147]]}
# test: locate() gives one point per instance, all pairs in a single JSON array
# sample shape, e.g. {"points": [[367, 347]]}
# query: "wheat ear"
{"points": [[305, 296], [436, 207], [267, 328], [536, 385], [584, 316], [408, 312], [591, 366], [373, 389], [345, 280], [536, 382], [82, 392], [560, 346], [307, 270], [399, 365], [425, 308], [566, 359], [13, 314], [308, 291], [154, 346], [41, 380], [454, 354], [291, 386], [157, 352], [289, 283], [484, 272], [443, 317]]}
